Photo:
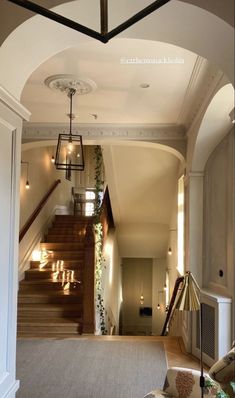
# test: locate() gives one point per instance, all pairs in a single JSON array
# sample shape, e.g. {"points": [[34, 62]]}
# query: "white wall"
{"points": [[112, 281]]}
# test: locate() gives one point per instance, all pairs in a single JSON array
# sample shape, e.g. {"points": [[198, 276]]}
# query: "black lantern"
{"points": [[69, 151]]}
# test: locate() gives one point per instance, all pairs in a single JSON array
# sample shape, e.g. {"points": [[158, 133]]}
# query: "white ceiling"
{"points": [[119, 97]]}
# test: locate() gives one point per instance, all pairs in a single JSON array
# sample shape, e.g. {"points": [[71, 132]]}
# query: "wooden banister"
{"points": [[35, 213], [172, 302]]}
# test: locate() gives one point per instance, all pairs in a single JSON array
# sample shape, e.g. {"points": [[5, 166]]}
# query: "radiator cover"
{"points": [[216, 314]]}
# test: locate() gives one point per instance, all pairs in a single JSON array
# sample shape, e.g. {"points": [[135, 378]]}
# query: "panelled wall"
{"points": [[219, 221], [11, 115]]}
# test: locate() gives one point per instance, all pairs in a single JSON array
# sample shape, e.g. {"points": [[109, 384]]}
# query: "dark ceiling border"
{"points": [[105, 35]]}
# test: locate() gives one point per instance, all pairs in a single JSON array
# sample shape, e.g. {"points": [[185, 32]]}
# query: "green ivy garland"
{"points": [[99, 266]]}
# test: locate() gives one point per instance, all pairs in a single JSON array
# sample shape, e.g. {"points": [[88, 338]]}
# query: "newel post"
{"points": [[89, 281]]}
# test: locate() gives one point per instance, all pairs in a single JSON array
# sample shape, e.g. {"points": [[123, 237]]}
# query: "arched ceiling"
{"points": [[142, 183], [118, 97], [176, 23]]}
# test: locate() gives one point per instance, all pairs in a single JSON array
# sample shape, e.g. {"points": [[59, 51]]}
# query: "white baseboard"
{"points": [[12, 390]]}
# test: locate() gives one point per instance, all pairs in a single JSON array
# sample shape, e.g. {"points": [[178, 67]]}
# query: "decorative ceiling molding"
{"points": [[65, 82], [44, 131], [200, 66], [204, 77]]}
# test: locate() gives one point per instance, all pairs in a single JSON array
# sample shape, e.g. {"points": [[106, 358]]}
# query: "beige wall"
{"points": [[136, 279], [158, 295], [219, 222], [112, 282], [42, 174]]}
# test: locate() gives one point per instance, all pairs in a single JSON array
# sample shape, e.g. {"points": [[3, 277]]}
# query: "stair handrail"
{"points": [[38, 209], [178, 282]]}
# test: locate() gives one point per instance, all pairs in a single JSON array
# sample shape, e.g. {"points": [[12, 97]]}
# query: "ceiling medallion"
{"points": [[65, 83]]}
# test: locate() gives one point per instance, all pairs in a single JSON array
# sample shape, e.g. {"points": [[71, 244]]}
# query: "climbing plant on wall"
{"points": [[99, 265]]}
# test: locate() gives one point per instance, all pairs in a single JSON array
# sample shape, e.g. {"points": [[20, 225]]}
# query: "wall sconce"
{"points": [[53, 159], [169, 251], [27, 174], [232, 115], [158, 298], [141, 299]]}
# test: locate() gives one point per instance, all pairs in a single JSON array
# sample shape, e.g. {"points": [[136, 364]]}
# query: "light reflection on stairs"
{"points": [[51, 297]]}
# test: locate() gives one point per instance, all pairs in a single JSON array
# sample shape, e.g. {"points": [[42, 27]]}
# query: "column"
{"points": [[11, 115]]}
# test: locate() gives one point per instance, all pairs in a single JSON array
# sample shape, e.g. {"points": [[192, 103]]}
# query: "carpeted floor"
{"points": [[89, 369]]}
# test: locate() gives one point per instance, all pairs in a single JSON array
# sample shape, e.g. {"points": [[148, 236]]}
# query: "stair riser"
{"points": [[65, 256], [63, 239], [61, 246], [34, 299], [48, 329], [35, 314], [63, 231], [37, 275], [69, 264], [40, 275]]}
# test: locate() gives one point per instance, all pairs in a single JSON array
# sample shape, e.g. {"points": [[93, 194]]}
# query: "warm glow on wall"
{"points": [[180, 265], [109, 253]]}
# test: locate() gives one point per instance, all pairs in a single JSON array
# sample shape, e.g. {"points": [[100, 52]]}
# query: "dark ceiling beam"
{"points": [[29, 5], [136, 18], [104, 17], [104, 36]]}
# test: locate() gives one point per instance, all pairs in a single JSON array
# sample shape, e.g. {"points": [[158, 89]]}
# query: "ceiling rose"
{"points": [[64, 83]]}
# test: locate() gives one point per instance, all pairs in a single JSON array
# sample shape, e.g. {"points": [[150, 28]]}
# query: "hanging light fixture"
{"points": [[27, 186], [158, 298], [69, 151]]}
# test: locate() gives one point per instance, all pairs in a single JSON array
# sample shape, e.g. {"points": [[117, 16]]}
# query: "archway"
{"points": [[20, 56]]}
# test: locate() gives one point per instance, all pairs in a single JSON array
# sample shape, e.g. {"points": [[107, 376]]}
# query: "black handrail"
{"points": [[39, 207], [171, 305]]}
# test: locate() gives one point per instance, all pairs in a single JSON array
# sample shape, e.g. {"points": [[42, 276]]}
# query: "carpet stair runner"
{"points": [[50, 301]]}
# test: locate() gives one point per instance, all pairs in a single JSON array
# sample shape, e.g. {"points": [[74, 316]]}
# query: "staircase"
{"points": [[51, 297]]}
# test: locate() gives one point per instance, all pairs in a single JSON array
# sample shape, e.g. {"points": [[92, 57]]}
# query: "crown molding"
{"points": [[13, 104], [151, 132], [198, 72]]}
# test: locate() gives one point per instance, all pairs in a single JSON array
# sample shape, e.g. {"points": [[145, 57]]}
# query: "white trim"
{"points": [[12, 103], [12, 391]]}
